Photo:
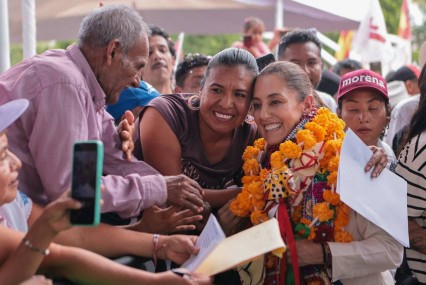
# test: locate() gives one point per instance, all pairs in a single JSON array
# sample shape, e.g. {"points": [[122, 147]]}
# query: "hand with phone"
{"points": [[86, 182], [55, 217]]}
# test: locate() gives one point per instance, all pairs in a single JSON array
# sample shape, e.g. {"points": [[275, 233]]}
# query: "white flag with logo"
{"points": [[370, 43]]}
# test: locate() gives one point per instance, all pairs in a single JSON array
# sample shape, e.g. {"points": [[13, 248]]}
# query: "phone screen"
{"points": [[85, 183], [264, 61]]}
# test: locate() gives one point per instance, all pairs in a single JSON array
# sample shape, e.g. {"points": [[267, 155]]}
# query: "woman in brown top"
{"points": [[204, 136]]}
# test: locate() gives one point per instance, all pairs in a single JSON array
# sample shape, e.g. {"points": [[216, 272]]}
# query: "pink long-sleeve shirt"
{"points": [[66, 105]]}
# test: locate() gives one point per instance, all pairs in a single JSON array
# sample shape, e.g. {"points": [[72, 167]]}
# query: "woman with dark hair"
{"points": [[412, 167], [204, 136]]}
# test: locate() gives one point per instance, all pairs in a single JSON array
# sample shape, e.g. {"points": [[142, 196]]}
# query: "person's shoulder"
{"points": [[414, 152], [328, 100], [407, 103]]}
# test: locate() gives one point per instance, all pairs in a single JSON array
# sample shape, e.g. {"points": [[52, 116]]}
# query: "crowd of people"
{"points": [[221, 135]]}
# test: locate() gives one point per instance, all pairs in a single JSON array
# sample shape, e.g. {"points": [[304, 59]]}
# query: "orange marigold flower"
{"points": [[290, 150], [307, 138], [332, 178], [255, 189], [250, 152], [332, 147], [297, 213], [258, 217], [332, 198], [239, 206], [333, 163], [258, 204], [323, 111], [318, 131], [247, 179], [323, 212], [344, 208], [251, 167], [263, 174], [277, 160], [322, 120], [312, 234], [342, 236], [260, 144], [341, 220]]}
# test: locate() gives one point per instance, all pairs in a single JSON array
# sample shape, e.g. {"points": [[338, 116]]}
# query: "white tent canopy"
{"points": [[60, 19]]}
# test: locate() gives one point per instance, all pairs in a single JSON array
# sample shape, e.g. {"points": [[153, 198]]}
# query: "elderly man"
{"points": [[68, 90]]}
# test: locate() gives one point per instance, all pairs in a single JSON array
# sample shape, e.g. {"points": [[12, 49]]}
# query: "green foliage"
{"points": [[391, 11], [209, 45]]}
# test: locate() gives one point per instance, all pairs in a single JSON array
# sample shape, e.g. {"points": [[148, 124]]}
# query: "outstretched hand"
{"points": [[125, 129], [167, 220], [177, 248], [185, 192], [378, 161]]}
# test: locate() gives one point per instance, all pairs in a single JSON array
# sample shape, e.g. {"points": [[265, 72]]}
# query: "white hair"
{"points": [[112, 22]]}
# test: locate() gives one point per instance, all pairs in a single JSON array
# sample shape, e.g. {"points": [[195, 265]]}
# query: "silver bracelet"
{"points": [[29, 245]]}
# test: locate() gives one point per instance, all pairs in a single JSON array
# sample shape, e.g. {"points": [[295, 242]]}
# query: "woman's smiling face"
{"points": [[225, 98], [276, 108]]}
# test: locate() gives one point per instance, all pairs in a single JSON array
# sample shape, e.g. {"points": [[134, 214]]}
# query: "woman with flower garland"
{"points": [[291, 173]]}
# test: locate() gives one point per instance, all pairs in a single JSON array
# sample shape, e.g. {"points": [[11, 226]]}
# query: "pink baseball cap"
{"points": [[362, 78], [11, 111]]}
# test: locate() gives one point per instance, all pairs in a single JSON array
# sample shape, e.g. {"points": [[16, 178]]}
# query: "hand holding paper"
{"points": [[382, 200], [218, 253]]}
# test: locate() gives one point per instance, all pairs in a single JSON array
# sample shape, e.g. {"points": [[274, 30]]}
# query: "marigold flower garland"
{"points": [[320, 138]]}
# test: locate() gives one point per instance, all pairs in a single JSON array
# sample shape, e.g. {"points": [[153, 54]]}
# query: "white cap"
{"points": [[397, 92], [11, 111]]}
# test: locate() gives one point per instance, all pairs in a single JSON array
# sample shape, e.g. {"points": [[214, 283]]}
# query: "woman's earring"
{"points": [[249, 119], [191, 99]]}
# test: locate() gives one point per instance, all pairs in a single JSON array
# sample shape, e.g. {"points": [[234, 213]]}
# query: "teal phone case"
{"points": [[83, 217]]}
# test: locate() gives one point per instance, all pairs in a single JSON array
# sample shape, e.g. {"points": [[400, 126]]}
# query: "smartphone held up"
{"points": [[86, 182]]}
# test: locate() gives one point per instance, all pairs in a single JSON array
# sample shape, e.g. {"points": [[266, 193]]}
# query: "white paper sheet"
{"points": [[209, 238], [243, 247], [382, 200]]}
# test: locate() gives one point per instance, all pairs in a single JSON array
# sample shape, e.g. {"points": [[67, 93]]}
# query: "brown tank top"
{"points": [[184, 123]]}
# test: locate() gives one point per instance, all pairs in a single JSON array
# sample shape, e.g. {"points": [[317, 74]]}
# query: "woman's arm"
{"points": [[32, 250], [377, 251], [162, 150], [84, 267], [112, 241]]}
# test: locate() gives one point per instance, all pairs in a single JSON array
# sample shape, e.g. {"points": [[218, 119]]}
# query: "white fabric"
{"points": [[17, 212], [371, 254], [401, 116], [368, 258], [328, 100]]}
